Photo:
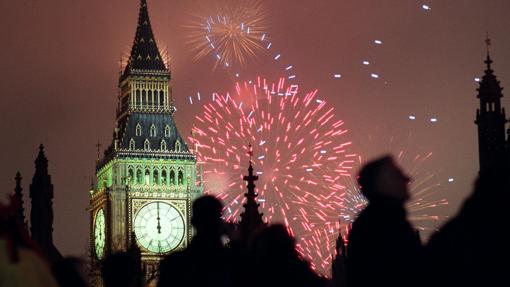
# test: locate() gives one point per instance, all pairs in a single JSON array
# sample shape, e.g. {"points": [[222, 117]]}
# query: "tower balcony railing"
{"points": [[144, 109], [155, 154]]}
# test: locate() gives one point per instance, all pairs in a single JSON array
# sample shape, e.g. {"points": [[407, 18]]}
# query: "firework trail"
{"points": [[232, 33], [300, 151]]}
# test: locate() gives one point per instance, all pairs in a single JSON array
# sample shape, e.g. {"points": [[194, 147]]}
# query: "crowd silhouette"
{"points": [[382, 247]]}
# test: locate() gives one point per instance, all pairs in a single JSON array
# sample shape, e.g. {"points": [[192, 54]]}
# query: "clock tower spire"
{"points": [[147, 178]]}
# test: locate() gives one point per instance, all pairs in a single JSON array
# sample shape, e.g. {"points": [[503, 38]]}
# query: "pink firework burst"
{"points": [[300, 151]]}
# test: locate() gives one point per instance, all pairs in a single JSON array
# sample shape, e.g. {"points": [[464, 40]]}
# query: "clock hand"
{"points": [[159, 225], [177, 216]]}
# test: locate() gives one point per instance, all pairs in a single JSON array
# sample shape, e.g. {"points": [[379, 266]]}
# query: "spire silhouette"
{"points": [[20, 212], [338, 264], [251, 218], [491, 120], [41, 215]]}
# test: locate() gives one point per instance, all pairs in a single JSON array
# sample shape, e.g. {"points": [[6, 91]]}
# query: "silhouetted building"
{"points": [[251, 218], [494, 148], [338, 264], [20, 211], [41, 215]]}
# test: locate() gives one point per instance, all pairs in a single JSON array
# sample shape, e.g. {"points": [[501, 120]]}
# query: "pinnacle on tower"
{"points": [[20, 212], [41, 215], [338, 264], [251, 219]]}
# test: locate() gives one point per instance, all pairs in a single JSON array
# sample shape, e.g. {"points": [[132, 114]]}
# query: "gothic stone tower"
{"points": [[147, 179], [491, 121], [41, 214]]}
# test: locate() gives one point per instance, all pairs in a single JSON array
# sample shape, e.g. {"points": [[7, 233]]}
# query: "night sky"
{"points": [[60, 64]]}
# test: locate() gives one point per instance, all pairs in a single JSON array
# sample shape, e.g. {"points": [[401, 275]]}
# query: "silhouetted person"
{"points": [[277, 263], [205, 262], [21, 263], [383, 249], [121, 270], [473, 249], [68, 272]]}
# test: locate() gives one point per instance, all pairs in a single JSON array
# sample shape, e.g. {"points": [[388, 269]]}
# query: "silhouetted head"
{"points": [[121, 269], [383, 178], [207, 211]]}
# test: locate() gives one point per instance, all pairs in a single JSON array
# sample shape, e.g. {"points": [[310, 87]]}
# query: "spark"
{"points": [[337, 76], [232, 36]]}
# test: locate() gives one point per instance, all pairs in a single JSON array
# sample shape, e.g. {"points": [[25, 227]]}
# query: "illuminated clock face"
{"points": [[99, 234], [159, 227]]}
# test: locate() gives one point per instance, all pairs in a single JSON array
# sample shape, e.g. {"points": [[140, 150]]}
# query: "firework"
{"points": [[231, 34], [300, 151]]}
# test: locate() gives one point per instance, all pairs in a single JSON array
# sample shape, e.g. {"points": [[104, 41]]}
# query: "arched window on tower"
{"points": [[137, 98], [144, 98], [177, 146], [138, 131], [163, 177], [167, 131], [161, 99], [146, 145], [132, 144], [163, 145], [149, 96], [172, 177], [180, 178], [139, 177], [152, 130], [131, 176], [155, 177], [147, 177]]}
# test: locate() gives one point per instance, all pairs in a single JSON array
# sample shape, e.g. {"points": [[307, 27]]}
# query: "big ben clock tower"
{"points": [[147, 179]]}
